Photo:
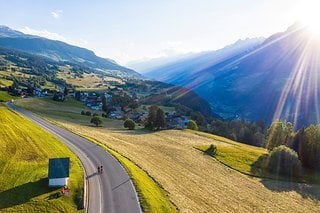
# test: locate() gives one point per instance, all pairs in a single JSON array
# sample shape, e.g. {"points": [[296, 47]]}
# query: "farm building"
{"points": [[58, 172]]}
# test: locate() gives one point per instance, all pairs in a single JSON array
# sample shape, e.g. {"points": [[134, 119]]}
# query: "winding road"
{"points": [[112, 191]]}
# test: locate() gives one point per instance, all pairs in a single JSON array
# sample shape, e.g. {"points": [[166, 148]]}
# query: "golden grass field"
{"points": [[194, 182]]}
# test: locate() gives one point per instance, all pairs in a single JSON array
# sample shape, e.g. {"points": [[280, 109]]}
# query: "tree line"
{"points": [[305, 142]]}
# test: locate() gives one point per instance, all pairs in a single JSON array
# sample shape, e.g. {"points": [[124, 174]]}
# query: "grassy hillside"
{"points": [[252, 161], [5, 96], [24, 153], [194, 182], [152, 197]]}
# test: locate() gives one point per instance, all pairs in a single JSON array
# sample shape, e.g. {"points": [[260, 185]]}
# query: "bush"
{"points": [[212, 150], [130, 124], [96, 120], [95, 114], [88, 113], [192, 125], [284, 161], [83, 112]]}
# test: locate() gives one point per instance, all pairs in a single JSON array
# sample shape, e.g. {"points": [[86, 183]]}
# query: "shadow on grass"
{"points": [[305, 190], [23, 193], [257, 168], [280, 183]]}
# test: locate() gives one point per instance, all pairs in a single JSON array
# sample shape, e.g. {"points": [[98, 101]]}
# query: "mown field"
{"points": [[195, 182], [24, 153], [152, 197]]}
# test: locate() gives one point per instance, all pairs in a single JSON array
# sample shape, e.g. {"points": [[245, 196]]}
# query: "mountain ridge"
{"points": [[59, 51], [273, 80]]}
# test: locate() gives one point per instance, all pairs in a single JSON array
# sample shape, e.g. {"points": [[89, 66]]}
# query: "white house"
{"points": [[58, 172]]}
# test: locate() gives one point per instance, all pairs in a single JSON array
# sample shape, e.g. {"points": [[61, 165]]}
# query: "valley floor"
{"points": [[194, 182]]}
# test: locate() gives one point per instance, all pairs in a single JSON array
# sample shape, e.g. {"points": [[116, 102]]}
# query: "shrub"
{"points": [[95, 114], [88, 113], [212, 150], [83, 112], [96, 120], [284, 161], [130, 124], [192, 125]]}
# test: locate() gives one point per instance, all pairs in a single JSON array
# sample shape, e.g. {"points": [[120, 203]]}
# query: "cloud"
{"points": [[56, 14], [43, 33], [54, 36]]}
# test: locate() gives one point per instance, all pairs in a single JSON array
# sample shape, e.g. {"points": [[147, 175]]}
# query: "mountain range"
{"points": [[61, 52], [275, 78]]}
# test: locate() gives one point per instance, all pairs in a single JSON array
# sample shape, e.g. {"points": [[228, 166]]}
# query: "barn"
{"points": [[58, 172]]}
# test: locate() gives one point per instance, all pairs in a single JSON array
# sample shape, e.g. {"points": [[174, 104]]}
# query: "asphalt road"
{"points": [[112, 191]]}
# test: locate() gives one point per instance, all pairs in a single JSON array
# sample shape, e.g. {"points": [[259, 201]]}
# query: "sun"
{"points": [[308, 14]]}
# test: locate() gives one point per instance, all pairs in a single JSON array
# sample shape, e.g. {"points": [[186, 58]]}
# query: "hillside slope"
{"points": [[183, 68], [25, 150], [194, 182], [276, 80], [59, 51]]}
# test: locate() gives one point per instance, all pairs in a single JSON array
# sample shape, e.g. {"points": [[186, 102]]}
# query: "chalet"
{"points": [[58, 172]]}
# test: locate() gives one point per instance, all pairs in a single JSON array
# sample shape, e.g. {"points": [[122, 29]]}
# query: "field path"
{"points": [[112, 191]]}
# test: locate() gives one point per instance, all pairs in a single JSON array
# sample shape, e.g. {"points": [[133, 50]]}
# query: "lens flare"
{"points": [[308, 14]]}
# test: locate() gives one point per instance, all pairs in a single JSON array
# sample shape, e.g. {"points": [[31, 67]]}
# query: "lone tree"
{"points": [[284, 161], [152, 116], [130, 124], [96, 121], [192, 125], [160, 119], [212, 150]]}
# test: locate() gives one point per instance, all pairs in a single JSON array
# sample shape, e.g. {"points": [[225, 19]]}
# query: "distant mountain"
{"points": [[193, 63], [278, 79], [147, 64], [60, 51]]}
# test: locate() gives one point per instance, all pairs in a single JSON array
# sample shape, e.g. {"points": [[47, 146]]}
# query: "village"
{"points": [[122, 103]]}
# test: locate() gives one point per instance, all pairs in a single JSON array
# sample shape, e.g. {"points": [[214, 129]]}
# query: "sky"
{"points": [[131, 30]]}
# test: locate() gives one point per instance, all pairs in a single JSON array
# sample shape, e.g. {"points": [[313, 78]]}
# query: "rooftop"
{"points": [[59, 168]]}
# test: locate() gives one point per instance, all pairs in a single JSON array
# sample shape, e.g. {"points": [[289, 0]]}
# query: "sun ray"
{"points": [[307, 13]]}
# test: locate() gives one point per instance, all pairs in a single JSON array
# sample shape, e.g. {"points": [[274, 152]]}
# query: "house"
{"points": [[58, 172]]}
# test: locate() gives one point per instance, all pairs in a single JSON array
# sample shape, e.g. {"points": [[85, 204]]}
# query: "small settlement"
{"points": [[125, 105]]}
